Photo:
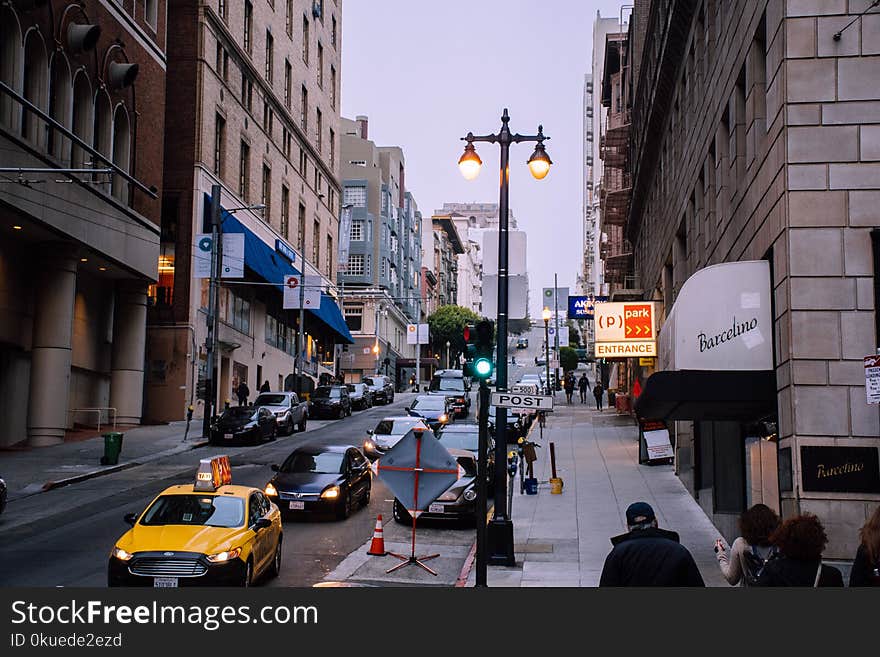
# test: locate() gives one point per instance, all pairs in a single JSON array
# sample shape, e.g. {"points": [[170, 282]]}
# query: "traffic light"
{"points": [[470, 345], [484, 345]]}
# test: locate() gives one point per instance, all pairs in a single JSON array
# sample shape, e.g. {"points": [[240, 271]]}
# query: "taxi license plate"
{"points": [[435, 508], [297, 506], [165, 582], [227, 436]]}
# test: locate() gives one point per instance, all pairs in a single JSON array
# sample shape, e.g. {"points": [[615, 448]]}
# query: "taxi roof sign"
{"points": [[213, 473]]}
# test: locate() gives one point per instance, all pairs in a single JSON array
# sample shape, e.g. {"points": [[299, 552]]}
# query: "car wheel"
{"points": [[344, 510], [274, 433], [275, 568], [365, 500], [400, 514], [302, 424], [341, 413], [248, 578]]}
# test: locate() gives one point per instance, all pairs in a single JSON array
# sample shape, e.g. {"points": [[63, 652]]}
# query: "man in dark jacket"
{"points": [[242, 392], [647, 555]]}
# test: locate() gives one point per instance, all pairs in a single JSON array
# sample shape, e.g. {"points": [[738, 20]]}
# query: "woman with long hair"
{"points": [[801, 541], [866, 566], [752, 549]]}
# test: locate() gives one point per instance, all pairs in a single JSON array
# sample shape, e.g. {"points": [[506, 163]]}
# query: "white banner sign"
{"points": [[872, 379], [311, 295], [417, 334], [233, 255], [657, 444]]}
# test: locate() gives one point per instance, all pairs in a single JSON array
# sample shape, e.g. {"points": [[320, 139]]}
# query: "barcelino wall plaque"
{"points": [[840, 469]]}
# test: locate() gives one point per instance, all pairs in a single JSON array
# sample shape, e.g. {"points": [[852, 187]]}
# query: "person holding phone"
{"points": [[750, 551]]}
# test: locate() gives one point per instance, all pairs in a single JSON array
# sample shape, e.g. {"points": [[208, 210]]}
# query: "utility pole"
{"points": [[213, 310], [418, 340], [556, 320], [297, 362], [483, 479]]}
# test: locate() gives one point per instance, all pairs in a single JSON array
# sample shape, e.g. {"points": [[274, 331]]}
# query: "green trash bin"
{"points": [[112, 448]]}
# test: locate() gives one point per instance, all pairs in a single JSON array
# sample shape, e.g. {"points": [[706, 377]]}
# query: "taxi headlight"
{"points": [[271, 490], [470, 495], [330, 493], [222, 557], [443, 418], [121, 554]]}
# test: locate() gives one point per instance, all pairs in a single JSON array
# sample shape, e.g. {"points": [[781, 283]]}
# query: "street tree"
{"points": [[568, 359], [446, 324]]}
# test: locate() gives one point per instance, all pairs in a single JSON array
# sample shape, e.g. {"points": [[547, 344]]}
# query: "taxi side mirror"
{"points": [[262, 523], [130, 518], [275, 467]]}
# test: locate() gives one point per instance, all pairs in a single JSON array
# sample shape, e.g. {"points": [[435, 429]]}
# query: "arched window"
{"points": [[103, 134], [10, 65], [35, 86], [121, 151], [81, 119], [59, 107]]}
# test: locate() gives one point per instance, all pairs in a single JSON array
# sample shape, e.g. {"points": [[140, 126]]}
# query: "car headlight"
{"points": [[443, 418], [280, 413], [470, 495], [121, 554], [368, 444], [271, 490], [222, 557], [330, 493]]}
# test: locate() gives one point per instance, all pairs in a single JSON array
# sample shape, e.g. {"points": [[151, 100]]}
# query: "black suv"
{"points": [[330, 401], [382, 387]]}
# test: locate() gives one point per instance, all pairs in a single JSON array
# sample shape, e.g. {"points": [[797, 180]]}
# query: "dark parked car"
{"points": [[459, 502], [330, 401], [2, 494], [289, 411], [243, 424], [453, 385], [515, 424], [361, 395], [382, 387], [434, 409], [466, 436], [322, 479]]}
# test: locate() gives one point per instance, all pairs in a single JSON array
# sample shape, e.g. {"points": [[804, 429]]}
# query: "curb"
{"points": [[51, 485], [466, 568]]}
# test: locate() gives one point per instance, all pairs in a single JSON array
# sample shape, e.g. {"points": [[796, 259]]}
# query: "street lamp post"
{"points": [[500, 529], [546, 317], [448, 344]]}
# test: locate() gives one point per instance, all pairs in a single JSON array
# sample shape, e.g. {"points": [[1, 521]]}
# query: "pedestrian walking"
{"points": [[583, 384], [647, 555], [597, 393], [752, 550], [243, 392], [265, 387], [801, 541], [569, 387], [866, 566]]}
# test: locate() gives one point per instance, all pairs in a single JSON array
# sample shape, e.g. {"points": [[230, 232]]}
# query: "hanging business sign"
{"points": [[625, 330], [285, 249], [840, 469], [344, 237], [582, 307], [294, 290]]}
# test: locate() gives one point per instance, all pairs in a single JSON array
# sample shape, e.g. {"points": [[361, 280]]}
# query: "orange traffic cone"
{"points": [[377, 546]]}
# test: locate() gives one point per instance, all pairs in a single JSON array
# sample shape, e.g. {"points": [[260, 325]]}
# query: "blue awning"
{"points": [[272, 267]]}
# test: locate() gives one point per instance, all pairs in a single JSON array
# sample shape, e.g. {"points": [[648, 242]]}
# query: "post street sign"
{"points": [[521, 401]]}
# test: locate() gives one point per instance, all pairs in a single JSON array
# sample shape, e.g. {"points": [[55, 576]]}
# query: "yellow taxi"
{"points": [[209, 533]]}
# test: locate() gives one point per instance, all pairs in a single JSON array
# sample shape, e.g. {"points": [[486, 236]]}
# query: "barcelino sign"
{"points": [[625, 329]]}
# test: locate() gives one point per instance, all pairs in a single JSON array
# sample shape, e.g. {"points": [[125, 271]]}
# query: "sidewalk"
{"points": [[562, 540], [30, 471]]}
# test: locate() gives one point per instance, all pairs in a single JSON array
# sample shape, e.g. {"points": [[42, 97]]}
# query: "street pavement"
{"points": [[560, 540]]}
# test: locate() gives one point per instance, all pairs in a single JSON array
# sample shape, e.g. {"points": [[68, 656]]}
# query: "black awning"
{"points": [[708, 395]]}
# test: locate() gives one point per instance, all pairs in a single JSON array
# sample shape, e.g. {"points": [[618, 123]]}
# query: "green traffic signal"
{"points": [[483, 368]]}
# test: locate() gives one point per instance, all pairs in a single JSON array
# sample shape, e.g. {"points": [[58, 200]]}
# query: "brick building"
{"points": [[754, 148], [81, 113], [253, 106]]}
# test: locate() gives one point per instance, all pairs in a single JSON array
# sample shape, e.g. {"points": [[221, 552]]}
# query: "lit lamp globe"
{"points": [[469, 163], [545, 315], [539, 163]]}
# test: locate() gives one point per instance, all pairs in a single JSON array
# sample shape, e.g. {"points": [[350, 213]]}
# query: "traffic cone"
{"points": [[377, 546]]}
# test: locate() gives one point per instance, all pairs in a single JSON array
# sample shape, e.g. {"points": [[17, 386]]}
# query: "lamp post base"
{"points": [[499, 540]]}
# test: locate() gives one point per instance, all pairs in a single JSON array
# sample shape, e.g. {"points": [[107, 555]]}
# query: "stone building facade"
{"points": [[78, 247], [756, 136]]}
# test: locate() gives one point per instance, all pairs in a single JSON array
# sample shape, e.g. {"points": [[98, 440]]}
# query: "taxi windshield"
{"points": [[203, 510], [326, 463]]}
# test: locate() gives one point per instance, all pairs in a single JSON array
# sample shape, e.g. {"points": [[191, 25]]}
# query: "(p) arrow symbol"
{"points": [[628, 330]]}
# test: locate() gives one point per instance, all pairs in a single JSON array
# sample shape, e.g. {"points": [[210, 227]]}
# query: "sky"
{"points": [[427, 72]]}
